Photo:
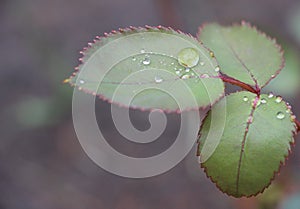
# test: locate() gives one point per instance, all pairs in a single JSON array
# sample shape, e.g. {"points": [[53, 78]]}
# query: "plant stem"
{"points": [[240, 84]]}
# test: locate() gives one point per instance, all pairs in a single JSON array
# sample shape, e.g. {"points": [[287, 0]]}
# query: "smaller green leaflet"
{"points": [[256, 140], [150, 68], [243, 52]]}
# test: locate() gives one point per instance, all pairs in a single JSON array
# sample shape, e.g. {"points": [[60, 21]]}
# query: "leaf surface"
{"points": [[243, 52], [256, 140], [150, 68]]}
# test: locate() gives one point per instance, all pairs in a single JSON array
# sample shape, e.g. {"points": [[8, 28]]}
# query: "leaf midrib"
{"points": [[243, 145], [226, 41]]}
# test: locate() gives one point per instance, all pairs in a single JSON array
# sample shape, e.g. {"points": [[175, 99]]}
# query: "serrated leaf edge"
{"points": [[249, 25], [276, 172], [115, 33]]}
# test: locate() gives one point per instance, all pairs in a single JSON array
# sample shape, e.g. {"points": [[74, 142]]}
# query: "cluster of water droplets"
{"points": [[279, 115], [146, 61], [187, 58]]}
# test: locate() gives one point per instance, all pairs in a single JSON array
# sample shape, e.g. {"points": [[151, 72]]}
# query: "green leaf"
{"points": [[243, 52], [150, 68], [287, 82], [256, 139]]}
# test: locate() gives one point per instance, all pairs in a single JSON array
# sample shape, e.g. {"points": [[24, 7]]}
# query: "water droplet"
{"points": [[146, 61], [263, 101], [280, 115], [187, 70], [278, 99], [192, 74], [143, 51], [172, 63], [211, 54], [188, 57], [202, 63], [81, 81], [186, 76], [204, 75], [177, 72], [134, 59], [245, 99], [217, 69], [271, 95], [158, 79]]}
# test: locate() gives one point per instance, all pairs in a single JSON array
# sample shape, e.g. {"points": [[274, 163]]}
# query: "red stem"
{"points": [[240, 84], [245, 86]]}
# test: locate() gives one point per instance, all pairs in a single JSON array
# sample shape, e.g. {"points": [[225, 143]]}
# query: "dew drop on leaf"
{"points": [[143, 51], [187, 70], [188, 57], [202, 63], [278, 99], [263, 101], [271, 95], [186, 76], [217, 69], [81, 81], [280, 115], [146, 61], [245, 99], [158, 79], [134, 59]]}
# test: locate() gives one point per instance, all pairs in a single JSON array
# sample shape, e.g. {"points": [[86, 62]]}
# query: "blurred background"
{"points": [[42, 164]]}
